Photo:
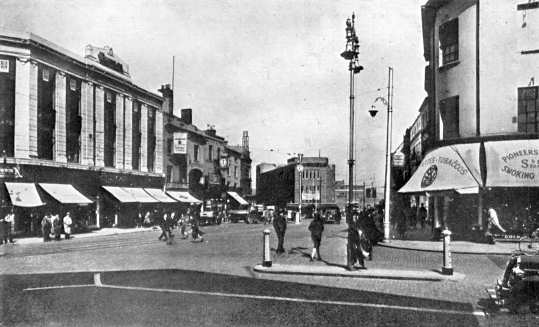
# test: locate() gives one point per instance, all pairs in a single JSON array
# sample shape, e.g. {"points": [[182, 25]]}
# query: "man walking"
{"points": [[67, 225], [9, 221], [279, 223], [316, 228]]}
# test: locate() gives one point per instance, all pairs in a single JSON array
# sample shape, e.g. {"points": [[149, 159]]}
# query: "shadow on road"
{"points": [[191, 298]]}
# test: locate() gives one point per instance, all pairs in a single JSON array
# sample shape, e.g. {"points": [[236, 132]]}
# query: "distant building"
{"points": [[364, 195], [280, 185]]}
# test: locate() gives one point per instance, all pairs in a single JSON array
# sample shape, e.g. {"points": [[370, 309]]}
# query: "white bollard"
{"points": [[266, 257], [447, 268]]}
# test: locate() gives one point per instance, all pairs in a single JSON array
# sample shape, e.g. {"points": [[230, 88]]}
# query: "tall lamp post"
{"points": [[351, 54], [387, 185]]}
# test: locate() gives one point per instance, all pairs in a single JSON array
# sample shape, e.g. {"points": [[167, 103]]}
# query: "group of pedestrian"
{"points": [[6, 223], [56, 226], [188, 219]]}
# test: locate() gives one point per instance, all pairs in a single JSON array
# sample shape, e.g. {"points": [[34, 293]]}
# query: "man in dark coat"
{"points": [[279, 223], [316, 227]]}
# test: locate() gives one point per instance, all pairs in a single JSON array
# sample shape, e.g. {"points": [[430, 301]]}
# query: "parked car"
{"points": [[330, 213]]}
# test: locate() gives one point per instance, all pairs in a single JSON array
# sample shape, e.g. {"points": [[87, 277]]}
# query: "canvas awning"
{"points": [[454, 167], [23, 194], [65, 193], [184, 197], [160, 195], [512, 163], [238, 198], [120, 194], [140, 195]]}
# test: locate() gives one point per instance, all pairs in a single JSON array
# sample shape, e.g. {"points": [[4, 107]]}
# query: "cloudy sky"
{"points": [[270, 67]]}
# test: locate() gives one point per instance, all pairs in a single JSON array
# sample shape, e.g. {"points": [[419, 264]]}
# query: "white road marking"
{"points": [[56, 287], [288, 299]]}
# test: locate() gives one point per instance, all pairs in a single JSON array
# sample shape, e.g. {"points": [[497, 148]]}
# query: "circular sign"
{"points": [[223, 162], [430, 176], [299, 168]]}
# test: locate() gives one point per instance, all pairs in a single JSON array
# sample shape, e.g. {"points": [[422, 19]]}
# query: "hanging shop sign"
{"points": [[179, 143]]}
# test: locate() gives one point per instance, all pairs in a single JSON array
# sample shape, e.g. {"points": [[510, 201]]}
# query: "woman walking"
{"points": [[316, 227]]}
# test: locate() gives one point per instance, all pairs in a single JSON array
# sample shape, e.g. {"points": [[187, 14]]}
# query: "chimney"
{"points": [[245, 140], [187, 116], [211, 132], [168, 98]]}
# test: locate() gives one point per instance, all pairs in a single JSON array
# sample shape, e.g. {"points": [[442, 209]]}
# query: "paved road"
{"points": [[222, 265]]}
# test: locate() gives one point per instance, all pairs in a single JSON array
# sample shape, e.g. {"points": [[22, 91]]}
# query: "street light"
{"points": [[387, 185], [351, 53]]}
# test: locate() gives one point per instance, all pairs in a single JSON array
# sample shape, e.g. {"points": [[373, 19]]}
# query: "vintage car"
{"points": [[330, 213]]}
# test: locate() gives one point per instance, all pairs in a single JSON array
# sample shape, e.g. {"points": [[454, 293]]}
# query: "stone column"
{"points": [[128, 135], [119, 148], [22, 108], [99, 126], [143, 138], [158, 167], [60, 124]]}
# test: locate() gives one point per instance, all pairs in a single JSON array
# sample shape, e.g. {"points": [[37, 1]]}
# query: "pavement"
{"points": [[462, 247]]}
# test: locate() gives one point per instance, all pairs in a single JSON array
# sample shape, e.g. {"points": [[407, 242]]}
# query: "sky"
{"points": [[272, 68]]}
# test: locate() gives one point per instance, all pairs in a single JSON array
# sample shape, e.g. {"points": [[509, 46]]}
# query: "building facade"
{"points": [[73, 120], [282, 185], [482, 99], [200, 161]]}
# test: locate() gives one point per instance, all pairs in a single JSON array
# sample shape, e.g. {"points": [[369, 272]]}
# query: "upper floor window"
{"points": [[528, 110], [210, 152], [195, 152], [449, 111], [449, 41]]}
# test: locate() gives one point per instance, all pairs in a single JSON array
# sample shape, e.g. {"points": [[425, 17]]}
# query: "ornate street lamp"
{"points": [[351, 53]]}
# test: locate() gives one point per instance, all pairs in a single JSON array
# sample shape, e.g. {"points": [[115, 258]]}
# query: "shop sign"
{"points": [[223, 163], [179, 143], [398, 159], [9, 172]]}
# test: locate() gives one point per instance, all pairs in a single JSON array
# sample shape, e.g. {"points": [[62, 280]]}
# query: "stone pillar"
{"points": [[99, 126], [158, 167], [119, 148], [60, 124], [87, 123], [128, 135], [22, 108], [33, 110], [143, 138]]}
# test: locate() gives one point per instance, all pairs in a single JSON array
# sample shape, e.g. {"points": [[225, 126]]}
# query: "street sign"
{"points": [[299, 168]]}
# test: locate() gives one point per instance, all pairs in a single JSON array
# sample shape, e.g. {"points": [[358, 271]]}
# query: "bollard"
{"points": [[266, 256], [447, 268]]}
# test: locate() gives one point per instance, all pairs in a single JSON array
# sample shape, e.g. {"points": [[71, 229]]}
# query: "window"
{"points": [[151, 139], [210, 152], [110, 128], [46, 115], [449, 111], [7, 106], [135, 129], [449, 41], [169, 174], [528, 116], [195, 152], [235, 172], [169, 145], [73, 120]]}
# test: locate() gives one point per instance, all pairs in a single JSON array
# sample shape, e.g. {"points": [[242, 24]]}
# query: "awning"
{"points": [[140, 195], [184, 197], [454, 167], [512, 163], [238, 198], [159, 195], [23, 194], [65, 193], [120, 194]]}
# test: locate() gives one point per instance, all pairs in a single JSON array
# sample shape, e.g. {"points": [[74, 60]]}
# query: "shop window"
{"points": [[449, 41], [528, 116], [449, 111]]}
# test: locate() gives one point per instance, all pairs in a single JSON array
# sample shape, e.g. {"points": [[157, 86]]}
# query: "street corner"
{"points": [[342, 271]]}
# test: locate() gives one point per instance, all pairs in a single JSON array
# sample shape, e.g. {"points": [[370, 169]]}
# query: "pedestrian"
{"points": [[196, 233], [279, 223], [492, 221], [57, 227], [9, 220], [3, 232], [357, 243], [67, 225], [46, 226], [184, 220], [139, 220], [147, 220], [162, 223], [316, 227], [422, 215]]}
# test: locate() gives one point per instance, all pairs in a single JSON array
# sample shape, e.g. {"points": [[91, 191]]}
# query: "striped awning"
{"points": [[184, 197], [160, 195], [65, 193]]}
